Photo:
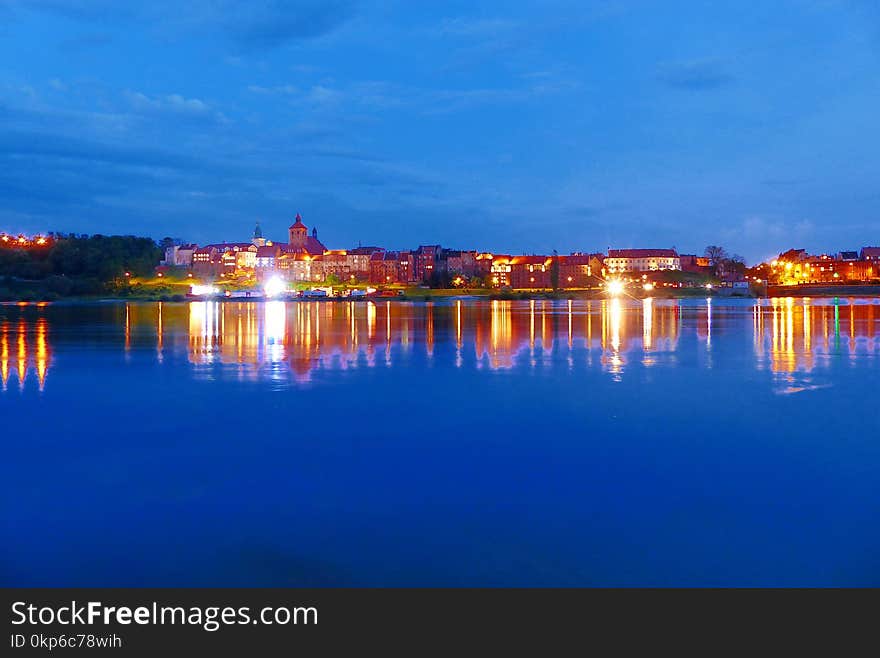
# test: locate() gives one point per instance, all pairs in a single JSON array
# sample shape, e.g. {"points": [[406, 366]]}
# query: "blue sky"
{"points": [[507, 126]]}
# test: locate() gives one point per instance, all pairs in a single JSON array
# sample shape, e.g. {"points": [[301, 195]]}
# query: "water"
{"points": [[457, 443]]}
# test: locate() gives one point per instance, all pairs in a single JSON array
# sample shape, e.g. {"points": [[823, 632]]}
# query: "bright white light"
{"points": [[615, 287], [274, 287], [198, 289], [708, 286], [648, 286]]}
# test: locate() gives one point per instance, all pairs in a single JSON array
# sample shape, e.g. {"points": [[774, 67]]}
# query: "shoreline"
{"points": [[800, 291]]}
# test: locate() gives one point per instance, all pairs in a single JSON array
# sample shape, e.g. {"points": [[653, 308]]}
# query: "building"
{"points": [[575, 271], [258, 239], [359, 261], [463, 263], [298, 267], [530, 271], [641, 260], [179, 255], [425, 261], [483, 265], [871, 254], [392, 267], [266, 261], [694, 263], [225, 258], [848, 256], [207, 261], [537, 272], [499, 269], [821, 269], [300, 242]]}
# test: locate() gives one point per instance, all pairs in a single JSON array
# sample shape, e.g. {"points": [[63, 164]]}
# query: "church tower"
{"points": [[258, 240], [298, 233]]}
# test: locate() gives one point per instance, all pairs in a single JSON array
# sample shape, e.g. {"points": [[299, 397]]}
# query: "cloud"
{"points": [[271, 23], [482, 28], [287, 90], [34, 144], [384, 96], [173, 105], [252, 24], [696, 75], [321, 95]]}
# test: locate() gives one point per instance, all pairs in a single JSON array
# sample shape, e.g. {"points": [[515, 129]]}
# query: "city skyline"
{"points": [[526, 126]]}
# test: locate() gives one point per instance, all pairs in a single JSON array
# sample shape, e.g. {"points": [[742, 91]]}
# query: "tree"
{"points": [[715, 254], [734, 265]]}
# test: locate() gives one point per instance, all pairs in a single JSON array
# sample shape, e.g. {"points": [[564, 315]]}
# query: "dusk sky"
{"points": [[514, 126]]}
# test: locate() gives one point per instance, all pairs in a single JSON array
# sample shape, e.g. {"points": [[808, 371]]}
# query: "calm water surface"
{"points": [[467, 442]]}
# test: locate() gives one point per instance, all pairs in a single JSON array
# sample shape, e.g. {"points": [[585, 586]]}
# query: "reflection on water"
{"points": [[791, 338], [459, 442], [24, 351]]}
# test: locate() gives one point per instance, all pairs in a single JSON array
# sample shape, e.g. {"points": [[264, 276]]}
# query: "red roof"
{"points": [[298, 223], [575, 259], [530, 260], [267, 252], [642, 253]]}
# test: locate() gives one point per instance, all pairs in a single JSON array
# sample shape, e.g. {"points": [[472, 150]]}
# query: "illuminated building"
{"points": [[392, 267], [300, 242], [499, 269], [870, 254], [258, 239], [460, 262], [530, 272], [641, 260], [800, 268], [426, 260], [224, 258], [694, 263], [575, 271], [179, 255]]}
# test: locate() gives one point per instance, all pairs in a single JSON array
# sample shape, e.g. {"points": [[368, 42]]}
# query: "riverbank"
{"points": [[825, 290], [405, 296], [168, 291]]}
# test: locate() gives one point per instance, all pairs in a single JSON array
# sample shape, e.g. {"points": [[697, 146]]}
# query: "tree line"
{"points": [[81, 264]]}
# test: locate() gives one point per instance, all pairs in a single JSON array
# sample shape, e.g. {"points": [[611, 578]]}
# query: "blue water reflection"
{"points": [[464, 442]]}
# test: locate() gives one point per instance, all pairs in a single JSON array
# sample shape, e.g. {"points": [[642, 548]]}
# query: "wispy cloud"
{"points": [[174, 105], [252, 24], [270, 23], [284, 90], [380, 95], [696, 75]]}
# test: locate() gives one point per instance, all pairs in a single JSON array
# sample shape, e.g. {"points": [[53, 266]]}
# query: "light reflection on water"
{"points": [[460, 442], [791, 338]]}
